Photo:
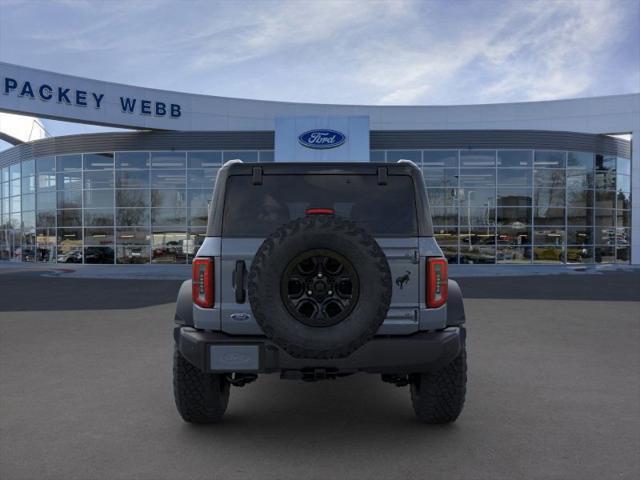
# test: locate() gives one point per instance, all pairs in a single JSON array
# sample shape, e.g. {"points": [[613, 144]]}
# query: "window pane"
{"points": [[29, 202], [580, 236], [623, 200], [70, 199], [70, 252], [267, 156], [198, 216], [440, 177], [446, 235], [98, 199], [133, 236], [28, 184], [168, 198], [579, 198], [46, 200], [624, 218], [168, 179], [549, 178], [548, 216], [98, 161], [98, 236], [514, 216], [479, 197], [442, 196], [548, 254], [440, 159], [549, 236], [204, 159], [132, 198], [132, 178], [517, 197], [477, 216], [69, 180], [507, 254], [132, 217], [580, 254], [477, 177], [479, 253], [605, 254], [605, 163], [14, 187], [168, 160], [70, 218], [45, 165], [132, 160], [28, 168], [202, 178], [199, 198], [247, 157], [477, 158], [69, 162], [623, 183], [605, 199], [46, 181], [132, 254], [623, 254], [98, 179], [169, 216], [413, 155], [98, 217], [605, 235], [514, 234], [46, 218], [579, 216], [548, 197], [605, 218], [514, 158], [623, 166], [14, 204], [514, 176], [579, 178], [549, 159], [29, 221], [168, 246], [98, 254], [583, 160], [444, 215], [374, 156]]}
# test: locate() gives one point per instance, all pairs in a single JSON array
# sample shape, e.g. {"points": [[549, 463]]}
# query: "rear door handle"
{"points": [[239, 275]]}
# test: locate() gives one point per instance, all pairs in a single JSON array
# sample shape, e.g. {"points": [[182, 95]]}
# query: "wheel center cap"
{"points": [[320, 287]]}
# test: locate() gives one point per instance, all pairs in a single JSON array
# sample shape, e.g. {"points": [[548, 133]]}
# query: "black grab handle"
{"points": [[238, 281]]}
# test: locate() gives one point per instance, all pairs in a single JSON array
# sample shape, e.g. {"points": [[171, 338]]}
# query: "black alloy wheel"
{"points": [[320, 288]]}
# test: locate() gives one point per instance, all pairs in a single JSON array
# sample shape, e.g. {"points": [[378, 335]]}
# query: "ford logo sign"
{"points": [[322, 138]]}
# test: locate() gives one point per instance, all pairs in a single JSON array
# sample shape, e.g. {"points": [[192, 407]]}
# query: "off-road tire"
{"points": [[304, 234], [200, 397], [438, 397]]}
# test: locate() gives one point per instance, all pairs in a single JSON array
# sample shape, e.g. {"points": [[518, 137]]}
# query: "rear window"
{"points": [[257, 210]]}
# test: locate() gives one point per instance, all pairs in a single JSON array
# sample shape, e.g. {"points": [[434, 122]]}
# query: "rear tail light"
{"points": [[437, 282], [319, 211], [202, 287]]}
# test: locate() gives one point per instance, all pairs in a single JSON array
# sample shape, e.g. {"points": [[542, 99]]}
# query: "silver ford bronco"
{"points": [[318, 271]]}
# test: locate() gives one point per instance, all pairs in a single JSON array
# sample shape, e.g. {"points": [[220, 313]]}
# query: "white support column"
{"points": [[635, 197]]}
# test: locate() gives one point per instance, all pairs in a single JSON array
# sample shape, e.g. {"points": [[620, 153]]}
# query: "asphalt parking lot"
{"points": [[554, 392]]}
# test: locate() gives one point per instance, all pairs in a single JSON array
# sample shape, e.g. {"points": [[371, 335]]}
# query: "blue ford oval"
{"points": [[322, 138]]}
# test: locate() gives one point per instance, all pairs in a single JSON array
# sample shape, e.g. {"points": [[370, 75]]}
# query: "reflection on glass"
{"points": [[68, 162], [514, 158], [132, 179], [133, 160], [97, 161], [548, 254], [549, 159], [511, 254], [433, 159]]}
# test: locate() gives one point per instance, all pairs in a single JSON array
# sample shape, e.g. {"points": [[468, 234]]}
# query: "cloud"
{"points": [[338, 51]]}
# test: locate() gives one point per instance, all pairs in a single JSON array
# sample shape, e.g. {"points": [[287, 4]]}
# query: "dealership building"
{"points": [[538, 182]]}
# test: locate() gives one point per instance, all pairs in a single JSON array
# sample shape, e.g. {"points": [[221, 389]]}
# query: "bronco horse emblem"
{"points": [[402, 280]]}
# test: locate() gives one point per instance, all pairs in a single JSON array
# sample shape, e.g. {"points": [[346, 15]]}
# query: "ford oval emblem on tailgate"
{"points": [[322, 138]]}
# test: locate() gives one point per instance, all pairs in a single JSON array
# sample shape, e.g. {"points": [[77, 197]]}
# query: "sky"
{"points": [[395, 52]]}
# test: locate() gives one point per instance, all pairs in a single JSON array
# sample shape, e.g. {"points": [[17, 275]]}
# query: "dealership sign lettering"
{"points": [[322, 138], [81, 98]]}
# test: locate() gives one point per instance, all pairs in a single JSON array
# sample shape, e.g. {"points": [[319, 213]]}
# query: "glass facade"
{"points": [[110, 207], [526, 206], [488, 206]]}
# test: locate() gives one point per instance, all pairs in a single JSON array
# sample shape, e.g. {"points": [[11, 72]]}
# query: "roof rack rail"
{"points": [[232, 162], [410, 162]]}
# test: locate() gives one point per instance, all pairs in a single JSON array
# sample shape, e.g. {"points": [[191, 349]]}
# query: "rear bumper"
{"points": [[420, 352]]}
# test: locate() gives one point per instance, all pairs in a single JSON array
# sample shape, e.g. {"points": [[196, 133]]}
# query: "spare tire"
{"points": [[320, 287]]}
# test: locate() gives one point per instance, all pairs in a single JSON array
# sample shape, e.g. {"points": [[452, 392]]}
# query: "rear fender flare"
{"points": [[455, 305], [184, 305]]}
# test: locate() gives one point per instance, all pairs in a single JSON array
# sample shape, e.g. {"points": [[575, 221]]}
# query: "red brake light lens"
{"points": [[319, 211], [437, 282], [202, 286]]}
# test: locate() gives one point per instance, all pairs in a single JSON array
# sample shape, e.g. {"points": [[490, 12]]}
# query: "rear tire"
{"points": [[200, 397], [438, 397]]}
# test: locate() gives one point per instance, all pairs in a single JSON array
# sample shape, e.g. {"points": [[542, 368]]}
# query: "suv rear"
{"points": [[317, 271]]}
